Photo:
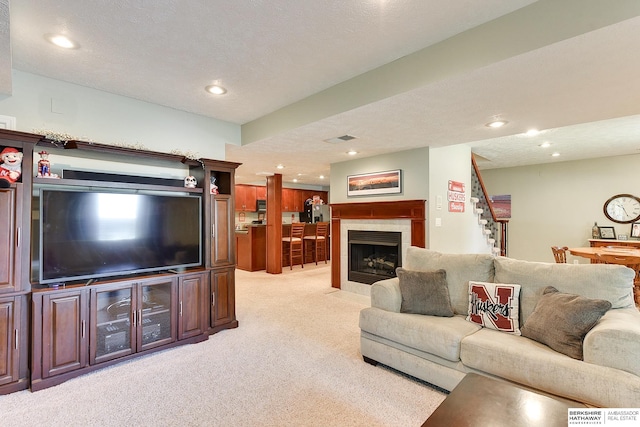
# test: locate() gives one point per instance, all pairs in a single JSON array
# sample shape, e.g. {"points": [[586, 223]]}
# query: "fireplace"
{"points": [[373, 255]]}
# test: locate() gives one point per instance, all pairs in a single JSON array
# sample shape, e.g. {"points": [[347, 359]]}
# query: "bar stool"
{"points": [[318, 242], [292, 245]]}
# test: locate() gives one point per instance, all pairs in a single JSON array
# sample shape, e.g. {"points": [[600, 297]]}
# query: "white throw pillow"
{"points": [[495, 306]]}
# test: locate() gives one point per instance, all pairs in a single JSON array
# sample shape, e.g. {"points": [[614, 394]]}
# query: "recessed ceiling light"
{"points": [[321, 176], [295, 180], [555, 154], [496, 123], [216, 89], [545, 144], [280, 166], [533, 132], [61, 41], [352, 153]]}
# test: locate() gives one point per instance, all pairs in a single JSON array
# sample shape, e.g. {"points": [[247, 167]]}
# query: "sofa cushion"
{"points": [[535, 365], [440, 336], [460, 268], [494, 306], [424, 292], [615, 341], [562, 320], [613, 283]]}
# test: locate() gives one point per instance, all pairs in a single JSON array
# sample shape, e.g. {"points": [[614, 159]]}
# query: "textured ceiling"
{"points": [[583, 90]]}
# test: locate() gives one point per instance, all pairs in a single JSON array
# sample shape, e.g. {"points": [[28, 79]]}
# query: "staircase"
{"points": [[494, 229]]}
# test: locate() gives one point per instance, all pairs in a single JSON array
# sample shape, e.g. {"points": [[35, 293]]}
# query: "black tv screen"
{"points": [[87, 234]]}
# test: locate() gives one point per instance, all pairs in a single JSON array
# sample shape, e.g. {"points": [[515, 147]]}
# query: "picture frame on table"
{"points": [[635, 230], [608, 233], [388, 182]]}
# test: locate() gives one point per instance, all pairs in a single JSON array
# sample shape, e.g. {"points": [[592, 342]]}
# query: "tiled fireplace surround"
{"points": [[406, 217]]}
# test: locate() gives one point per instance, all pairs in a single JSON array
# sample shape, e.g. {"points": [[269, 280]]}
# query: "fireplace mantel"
{"points": [[413, 210]]}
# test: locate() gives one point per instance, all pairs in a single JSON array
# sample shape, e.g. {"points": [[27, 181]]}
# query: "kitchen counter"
{"points": [[251, 248]]}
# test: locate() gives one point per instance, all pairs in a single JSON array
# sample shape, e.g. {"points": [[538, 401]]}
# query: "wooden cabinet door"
{"points": [[9, 230], [9, 336], [113, 325], [222, 231], [192, 305], [288, 195], [155, 321], [223, 301], [261, 192], [64, 332], [245, 198]]}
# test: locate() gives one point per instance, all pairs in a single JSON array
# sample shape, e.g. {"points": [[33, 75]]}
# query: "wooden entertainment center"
{"points": [[49, 334]]}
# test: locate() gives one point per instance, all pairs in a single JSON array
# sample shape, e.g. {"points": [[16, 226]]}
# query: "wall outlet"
{"points": [[438, 222]]}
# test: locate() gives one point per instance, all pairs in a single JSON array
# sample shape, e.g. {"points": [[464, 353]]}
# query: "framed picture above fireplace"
{"points": [[368, 184]]}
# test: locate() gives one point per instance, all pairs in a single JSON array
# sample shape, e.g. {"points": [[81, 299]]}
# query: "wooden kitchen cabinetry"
{"points": [[246, 197]]}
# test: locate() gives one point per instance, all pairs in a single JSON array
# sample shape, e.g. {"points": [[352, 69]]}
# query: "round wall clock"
{"points": [[622, 208]]}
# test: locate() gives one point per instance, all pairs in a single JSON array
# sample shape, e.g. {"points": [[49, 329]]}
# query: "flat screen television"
{"points": [[92, 234]]}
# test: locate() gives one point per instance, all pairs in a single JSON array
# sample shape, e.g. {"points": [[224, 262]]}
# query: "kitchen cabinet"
{"points": [[245, 198], [293, 199]]}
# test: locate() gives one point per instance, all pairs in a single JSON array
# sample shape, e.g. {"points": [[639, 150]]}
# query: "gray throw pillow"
{"points": [[424, 292], [561, 320]]}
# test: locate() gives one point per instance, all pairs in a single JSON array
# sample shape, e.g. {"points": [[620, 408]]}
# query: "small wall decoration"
{"points": [[501, 205], [368, 184], [635, 230], [607, 233], [456, 196]]}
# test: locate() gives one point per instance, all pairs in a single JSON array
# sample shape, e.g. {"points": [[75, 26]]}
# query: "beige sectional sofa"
{"points": [[441, 350]]}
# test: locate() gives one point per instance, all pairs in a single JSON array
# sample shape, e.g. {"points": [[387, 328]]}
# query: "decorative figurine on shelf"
{"points": [[11, 166], [190, 182], [44, 166], [213, 186]]}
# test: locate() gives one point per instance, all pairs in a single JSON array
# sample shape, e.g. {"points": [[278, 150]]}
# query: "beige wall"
{"points": [[557, 203], [415, 175], [42, 103]]}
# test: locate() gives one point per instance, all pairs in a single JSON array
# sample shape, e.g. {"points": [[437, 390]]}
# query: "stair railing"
{"points": [[498, 226]]}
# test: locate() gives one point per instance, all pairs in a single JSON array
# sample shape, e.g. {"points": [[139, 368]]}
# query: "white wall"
{"points": [[415, 176], [459, 232], [42, 103], [557, 203]]}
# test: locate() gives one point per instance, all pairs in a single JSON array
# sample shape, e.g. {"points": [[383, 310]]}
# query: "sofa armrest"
{"points": [[615, 341], [385, 294]]}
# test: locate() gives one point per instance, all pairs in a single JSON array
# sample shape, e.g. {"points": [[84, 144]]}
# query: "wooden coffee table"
{"points": [[481, 401]]}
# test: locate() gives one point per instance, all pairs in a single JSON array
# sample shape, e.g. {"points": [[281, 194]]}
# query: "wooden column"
{"points": [[274, 224]]}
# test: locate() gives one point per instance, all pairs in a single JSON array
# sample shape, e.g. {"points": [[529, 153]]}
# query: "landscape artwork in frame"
{"points": [[635, 230], [607, 233], [368, 184]]}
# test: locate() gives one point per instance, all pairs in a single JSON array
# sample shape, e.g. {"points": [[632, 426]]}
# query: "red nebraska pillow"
{"points": [[495, 306]]}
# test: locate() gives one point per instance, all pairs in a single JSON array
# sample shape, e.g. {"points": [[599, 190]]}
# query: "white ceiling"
{"points": [[582, 89]]}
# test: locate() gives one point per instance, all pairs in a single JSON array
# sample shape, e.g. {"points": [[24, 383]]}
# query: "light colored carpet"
{"points": [[294, 361]]}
